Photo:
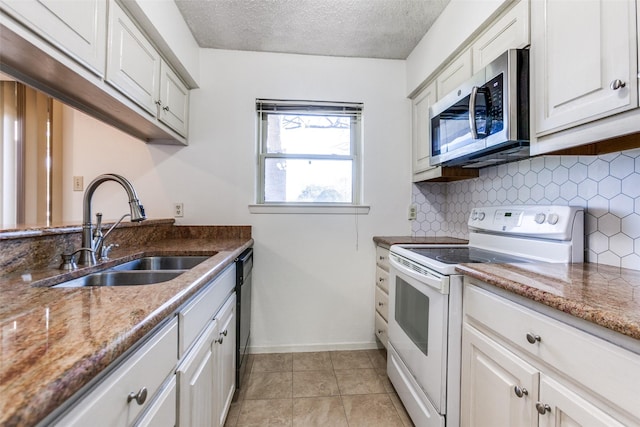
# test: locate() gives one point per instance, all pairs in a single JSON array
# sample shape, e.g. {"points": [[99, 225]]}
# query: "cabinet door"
{"points": [[133, 64], [78, 27], [174, 100], [579, 52], [456, 73], [511, 31], [421, 136], [567, 409], [196, 381], [226, 355], [490, 375]]}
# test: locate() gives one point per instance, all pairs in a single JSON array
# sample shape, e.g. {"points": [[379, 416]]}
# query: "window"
{"points": [[308, 152]]}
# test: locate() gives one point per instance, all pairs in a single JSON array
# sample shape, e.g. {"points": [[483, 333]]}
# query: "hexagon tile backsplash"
{"points": [[608, 186]]}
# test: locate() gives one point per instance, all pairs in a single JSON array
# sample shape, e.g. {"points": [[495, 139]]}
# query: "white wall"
{"points": [[314, 274]]}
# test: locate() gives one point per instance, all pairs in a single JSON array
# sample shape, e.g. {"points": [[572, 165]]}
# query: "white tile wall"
{"points": [[608, 186]]}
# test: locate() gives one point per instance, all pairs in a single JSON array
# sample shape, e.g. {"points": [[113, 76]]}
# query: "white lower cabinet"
{"points": [[523, 368], [490, 375], [184, 374], [206, 375]]}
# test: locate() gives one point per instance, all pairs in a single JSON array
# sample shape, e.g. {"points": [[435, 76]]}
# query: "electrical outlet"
{"points": [[178, 210], [413, 212], [78, 183]]}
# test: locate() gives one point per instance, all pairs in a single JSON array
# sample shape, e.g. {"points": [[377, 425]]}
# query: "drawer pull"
{"points": [[380, 304], [381, 258], [381, 279], [139, 397], [224, 333], [542, 408], [520, 391], [219, 340], [380, 331], [533, 338]]}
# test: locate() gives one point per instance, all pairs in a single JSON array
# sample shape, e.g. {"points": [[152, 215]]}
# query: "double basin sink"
{"points": [[142, 271]]}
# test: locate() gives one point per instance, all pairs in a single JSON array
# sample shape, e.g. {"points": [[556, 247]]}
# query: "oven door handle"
{"points": [[433, 280]]}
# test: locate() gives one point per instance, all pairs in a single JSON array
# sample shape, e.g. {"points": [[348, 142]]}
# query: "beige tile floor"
{"points": [[328, 389]]}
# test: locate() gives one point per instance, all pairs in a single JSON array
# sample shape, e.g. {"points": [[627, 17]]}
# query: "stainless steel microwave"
{"points": [[484, 121]]}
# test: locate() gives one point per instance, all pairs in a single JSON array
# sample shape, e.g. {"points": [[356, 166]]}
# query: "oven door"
{"points": [[418, 324]]}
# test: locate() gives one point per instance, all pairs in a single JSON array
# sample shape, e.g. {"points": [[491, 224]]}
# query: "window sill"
{"points": [[307, 209]]}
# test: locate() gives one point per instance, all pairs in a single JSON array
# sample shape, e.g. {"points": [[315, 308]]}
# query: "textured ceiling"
{"points": [[355, 28]]}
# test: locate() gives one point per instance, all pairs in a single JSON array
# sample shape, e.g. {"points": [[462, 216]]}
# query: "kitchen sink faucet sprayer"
{"points": [[88, 257]]}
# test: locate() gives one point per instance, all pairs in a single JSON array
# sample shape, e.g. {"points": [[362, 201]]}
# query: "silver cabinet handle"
{"points": [[139, 397], [158, 103], [533, 338], [617, 84], [219, 340], [165, 108], [381, 258], [520, 391], [380, 304], [381, 279], [380, 331], [542, 408], [224, 333]]}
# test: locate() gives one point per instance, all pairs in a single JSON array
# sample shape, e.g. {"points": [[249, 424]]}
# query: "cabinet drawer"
{"points": [[162, 412], [382, 279], [196, 314], [148, 367], [382, 303], [608, 370], [382, 257], [381, 329]]}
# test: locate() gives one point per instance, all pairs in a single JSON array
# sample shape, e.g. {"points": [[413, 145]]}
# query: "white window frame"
{"points": [[264, 107]]}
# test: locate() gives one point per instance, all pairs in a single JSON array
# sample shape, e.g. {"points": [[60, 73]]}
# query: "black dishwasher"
{"points": [[244, 265]]}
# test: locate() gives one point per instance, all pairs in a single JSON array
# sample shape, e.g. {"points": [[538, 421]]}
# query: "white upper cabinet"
{"points": [[77, 27], [174, 100], [133, 64], [136, 69], [511, 31], [421, 129], [454, 74], [584, 61]]}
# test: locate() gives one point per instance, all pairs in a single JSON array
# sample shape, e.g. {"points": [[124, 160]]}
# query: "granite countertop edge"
{"points": [[39, 400]]}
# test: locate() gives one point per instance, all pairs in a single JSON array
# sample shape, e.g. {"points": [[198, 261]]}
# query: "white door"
{"points": [[174, 100], [498, 388], [561, 407], [421, 136], [196, 380], [79, 27], [583, 59], [226, 355], [133, 64]]}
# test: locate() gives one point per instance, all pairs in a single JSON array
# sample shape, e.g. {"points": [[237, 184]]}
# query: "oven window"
{"points": [[412, 314]]}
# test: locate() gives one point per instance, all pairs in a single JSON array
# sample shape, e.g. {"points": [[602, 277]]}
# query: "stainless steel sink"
{"points": [[184, 262], [121, 278]]}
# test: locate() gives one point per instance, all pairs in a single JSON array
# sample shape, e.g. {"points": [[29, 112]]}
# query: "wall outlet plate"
{"points": [[413, 212]]}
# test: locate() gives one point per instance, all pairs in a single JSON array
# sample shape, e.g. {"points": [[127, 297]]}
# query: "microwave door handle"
{"points": [[472, 112]]}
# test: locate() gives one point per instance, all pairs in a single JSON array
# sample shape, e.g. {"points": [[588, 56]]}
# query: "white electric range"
{"points": [[425, 318]]}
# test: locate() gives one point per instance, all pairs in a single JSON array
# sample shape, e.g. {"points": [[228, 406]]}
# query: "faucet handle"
{"points": [[98, 231], [104, 255]]}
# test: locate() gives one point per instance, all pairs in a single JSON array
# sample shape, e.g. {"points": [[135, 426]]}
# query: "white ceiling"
{"points": [[354, 28]]}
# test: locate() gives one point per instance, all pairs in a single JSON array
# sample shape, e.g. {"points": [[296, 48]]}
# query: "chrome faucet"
{"points": [[90, 244]]}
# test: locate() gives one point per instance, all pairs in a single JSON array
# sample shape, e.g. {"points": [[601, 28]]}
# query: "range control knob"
{"points": [[553, 219], [481, 216], [540, 217], [474, 215]]}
